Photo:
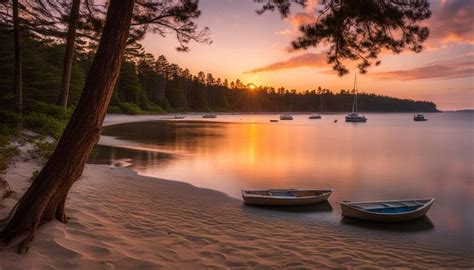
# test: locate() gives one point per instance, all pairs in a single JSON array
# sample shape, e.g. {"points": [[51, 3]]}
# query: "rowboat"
{"points": [[387, 211], [273, 120], [285, 197]]}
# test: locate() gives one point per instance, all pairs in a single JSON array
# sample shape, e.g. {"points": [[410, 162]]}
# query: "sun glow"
{"points": [[252, 86]]}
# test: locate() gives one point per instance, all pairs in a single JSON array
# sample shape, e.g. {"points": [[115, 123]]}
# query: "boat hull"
{"points": [[284, 201], [350, 211], [356, 120]]}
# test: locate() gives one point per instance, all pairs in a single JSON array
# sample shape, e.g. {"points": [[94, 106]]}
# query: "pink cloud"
{"points": [[447, 69], [451, 23], [305, 60]]}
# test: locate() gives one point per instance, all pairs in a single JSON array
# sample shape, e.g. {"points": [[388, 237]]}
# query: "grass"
{"points": [[43, 148], [7, 151]]}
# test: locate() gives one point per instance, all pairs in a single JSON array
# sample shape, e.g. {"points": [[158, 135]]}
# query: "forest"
{"points": [[153, 85]]}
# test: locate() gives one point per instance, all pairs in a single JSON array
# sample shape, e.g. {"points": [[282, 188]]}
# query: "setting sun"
{"points": [[252, 86]]}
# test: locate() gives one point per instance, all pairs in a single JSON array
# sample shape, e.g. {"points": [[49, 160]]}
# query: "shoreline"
{"points": [[119, 218]]}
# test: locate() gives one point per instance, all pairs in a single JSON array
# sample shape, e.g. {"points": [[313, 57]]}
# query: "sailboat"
{"points": [[354, 116], [317, 116], [419, 117]]}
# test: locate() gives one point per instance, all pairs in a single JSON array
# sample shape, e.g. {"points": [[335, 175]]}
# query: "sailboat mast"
{"points": [[321, 101], [354, 89]]}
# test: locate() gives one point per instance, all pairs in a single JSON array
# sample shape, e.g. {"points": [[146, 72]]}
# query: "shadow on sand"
{"points": [[417, 225]]}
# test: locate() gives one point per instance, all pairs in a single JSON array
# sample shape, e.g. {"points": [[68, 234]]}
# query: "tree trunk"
{"points": [[18, 91], [68, 56], [45, 198]]}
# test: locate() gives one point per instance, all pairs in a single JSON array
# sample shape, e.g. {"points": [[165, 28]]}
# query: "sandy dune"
{"points": [[122, 220]]}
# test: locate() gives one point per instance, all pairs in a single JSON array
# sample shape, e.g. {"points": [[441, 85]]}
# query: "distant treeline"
{"points": [[147, 84]]}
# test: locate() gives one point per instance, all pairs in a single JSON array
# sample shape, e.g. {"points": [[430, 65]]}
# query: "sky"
{"points": [[255, 49]]}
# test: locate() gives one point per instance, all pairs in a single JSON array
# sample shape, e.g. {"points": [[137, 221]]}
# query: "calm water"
{"points": [[389, 157]]}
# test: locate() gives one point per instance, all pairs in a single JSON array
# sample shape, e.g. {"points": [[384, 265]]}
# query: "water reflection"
{"points": [[109, 155], [389, 157], [417, 225], [314, 208]]}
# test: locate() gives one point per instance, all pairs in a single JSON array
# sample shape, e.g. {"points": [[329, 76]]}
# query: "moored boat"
{"points": [[285, 197], [273, 120], [209, 115], [317, 116], [286, 116], [354, 116], [387, 211], [177, 116], [419, 117]]}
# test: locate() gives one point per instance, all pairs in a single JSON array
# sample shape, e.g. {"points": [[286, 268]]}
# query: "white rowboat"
{"points": [[387, 211], [285, 197]]}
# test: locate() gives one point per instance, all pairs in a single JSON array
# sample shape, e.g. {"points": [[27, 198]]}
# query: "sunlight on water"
{"points": [[389, 157]]}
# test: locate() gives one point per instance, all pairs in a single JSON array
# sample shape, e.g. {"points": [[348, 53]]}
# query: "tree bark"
{"points": [[45, 199], [18, 88], [68, 56]]}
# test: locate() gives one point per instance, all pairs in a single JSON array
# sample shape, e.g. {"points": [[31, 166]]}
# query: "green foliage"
{"points": [[45, 124], [153, 108], [7, 151], [8, 118], [57, 112], [44, 148], [130, 108], [114, 109], [33, 175]]}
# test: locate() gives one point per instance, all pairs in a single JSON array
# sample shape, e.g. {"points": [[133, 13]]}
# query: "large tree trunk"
{"points": [[18, 91], [68, 56], [45, 198]]}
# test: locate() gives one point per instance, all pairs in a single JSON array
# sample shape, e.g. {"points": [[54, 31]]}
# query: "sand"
{"points": [[121, 220]]}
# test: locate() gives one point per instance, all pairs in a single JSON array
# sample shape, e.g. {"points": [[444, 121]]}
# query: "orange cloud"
{"points": [[305, 60], [449, 69]]}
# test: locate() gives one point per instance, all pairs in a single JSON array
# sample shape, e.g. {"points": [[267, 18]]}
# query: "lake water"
{"points": [[389, 157]]}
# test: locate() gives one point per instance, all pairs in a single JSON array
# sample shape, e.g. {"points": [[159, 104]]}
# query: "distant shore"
{"points": [[119, 219]]}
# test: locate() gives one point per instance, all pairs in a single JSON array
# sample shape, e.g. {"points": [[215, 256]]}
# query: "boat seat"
{"points": [[281, 193], [385, 206], [412, 204]]}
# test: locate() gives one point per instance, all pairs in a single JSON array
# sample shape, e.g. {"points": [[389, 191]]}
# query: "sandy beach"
{"points": [[120, 220]]}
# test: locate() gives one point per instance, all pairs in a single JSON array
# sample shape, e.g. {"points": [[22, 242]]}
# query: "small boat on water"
{"points": [[177, 116], [387, 211], [354, 116], [273, 120], [317, 116], [419, 117], [209, 115], [286, 116], [285, 197]]}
